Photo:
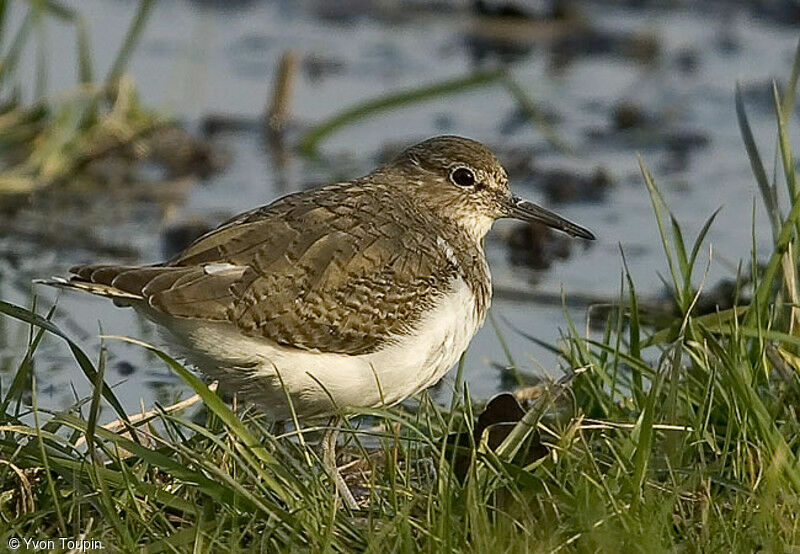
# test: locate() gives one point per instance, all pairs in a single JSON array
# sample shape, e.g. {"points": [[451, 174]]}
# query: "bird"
{"points": [[356, 294]]}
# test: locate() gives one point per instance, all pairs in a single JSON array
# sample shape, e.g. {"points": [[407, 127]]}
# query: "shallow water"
{"points": [[195, 60]]}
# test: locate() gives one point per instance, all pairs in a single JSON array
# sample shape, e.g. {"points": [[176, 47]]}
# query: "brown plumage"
{"points": [[310, 271]]}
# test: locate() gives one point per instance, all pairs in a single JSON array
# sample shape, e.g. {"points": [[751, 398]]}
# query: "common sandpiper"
{"points": [[355, 294]]}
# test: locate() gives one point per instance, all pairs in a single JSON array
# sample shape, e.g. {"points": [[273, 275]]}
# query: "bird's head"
{"points": [[461, 180]]}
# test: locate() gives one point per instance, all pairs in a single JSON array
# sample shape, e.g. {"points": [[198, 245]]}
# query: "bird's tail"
{"points": [[98, 289], [100, 280]]}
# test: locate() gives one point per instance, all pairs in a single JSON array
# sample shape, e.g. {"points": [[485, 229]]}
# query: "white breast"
{"points": [[422, 359], [264, 372]]}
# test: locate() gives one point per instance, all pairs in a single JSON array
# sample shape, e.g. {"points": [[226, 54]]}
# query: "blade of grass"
{"points": [[85, 74], [525, 426], [680, 252], [94, 406], [709, 321], [3, 19], [40, 86], [62, 525], [131, 39], [761, 298], [9, 62], [22, 375], [701, 237], [310, 141], [535, 115], [643, 435], [785, 146], [787, 107], [768, 193], [634, 329], [59, 10], [789, 262], [506, 350], [658, 203]]}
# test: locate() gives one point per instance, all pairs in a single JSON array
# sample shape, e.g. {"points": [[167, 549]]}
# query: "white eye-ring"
{"points": [[463, 177]]}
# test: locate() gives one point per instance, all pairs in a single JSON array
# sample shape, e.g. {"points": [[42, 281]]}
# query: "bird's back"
{"points": [[345, 268]]}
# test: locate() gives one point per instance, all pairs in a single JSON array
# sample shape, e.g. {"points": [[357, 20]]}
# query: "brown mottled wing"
{"points": [[312, 272]]}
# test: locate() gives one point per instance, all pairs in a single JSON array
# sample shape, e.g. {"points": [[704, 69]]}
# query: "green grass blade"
{"points": [[525, 427], [45, 461], [3, 19], [785, 147], [634, 332], [701, 237], [60, 11], [787, 107], [761, 299], [94, 406], [680, 251], [310, 141], [85, 73], [643, 435], [658, 203], [40, 86], [535, 115], [131, 39], [10, 60], [174, 468], [23, 372], [506, 350], [768, 193]]}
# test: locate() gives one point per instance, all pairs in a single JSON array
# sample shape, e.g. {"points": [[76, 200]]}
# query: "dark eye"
{"points": [[463, 177]]}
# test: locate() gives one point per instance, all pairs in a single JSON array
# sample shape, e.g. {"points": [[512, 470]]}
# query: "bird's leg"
{"points": [[329, 462]]}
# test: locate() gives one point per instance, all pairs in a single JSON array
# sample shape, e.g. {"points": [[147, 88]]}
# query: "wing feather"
{"points": [[310, 271]]}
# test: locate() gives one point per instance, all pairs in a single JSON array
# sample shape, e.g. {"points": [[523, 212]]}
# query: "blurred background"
{"points": [[129, 128]]}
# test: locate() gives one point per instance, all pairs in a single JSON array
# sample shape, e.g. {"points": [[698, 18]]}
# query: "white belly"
{"points": [[264, 372]]}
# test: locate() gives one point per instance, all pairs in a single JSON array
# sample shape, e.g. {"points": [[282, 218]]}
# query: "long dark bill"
{"points": [[522, 209]]}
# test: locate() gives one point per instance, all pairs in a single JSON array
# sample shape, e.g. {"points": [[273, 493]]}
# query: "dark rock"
{"points": [[253, 43], [216, 123], [537, 246], [180, 234], [519, 162], [684, 141], [503, 48], [507, 9], [639, 47], [726, 41], [223, 5], [347, 12], [724, 295], [124, 368], [182, 154], [496, 421], [687, 60], [632, 126], [508, 31], [554, 10], [563, 186], [782, 12], [318, 66], [518, 119], [627, 115]]}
